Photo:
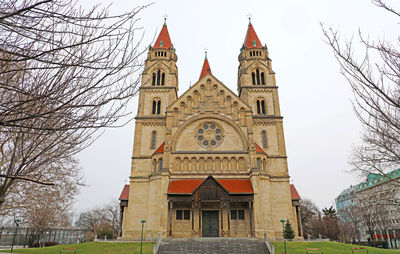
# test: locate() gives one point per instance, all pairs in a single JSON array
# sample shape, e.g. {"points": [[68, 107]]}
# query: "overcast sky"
{"points": [[319, 123]]}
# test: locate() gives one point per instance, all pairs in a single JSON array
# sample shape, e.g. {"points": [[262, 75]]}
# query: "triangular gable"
{"points": [[125, 193], [196, 86], [259, 149], [160, 149], [293, 192]]}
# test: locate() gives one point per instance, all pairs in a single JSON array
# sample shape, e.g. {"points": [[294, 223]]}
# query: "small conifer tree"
{"points": [[288, 231]]}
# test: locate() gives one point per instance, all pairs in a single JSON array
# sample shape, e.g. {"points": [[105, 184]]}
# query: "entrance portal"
{"points": [[210, 224]]}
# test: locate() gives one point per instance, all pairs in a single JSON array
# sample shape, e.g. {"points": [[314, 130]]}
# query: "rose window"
{"points": [[209, 135]]}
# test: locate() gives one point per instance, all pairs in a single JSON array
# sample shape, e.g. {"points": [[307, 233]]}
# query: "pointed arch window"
{"points": [[158, 77], [153, 139], [262, 78], [264, 139], [258, 77], [160, 164], [258, 164], [260, 106], [153, 83], [156, 109], [162, 78]]}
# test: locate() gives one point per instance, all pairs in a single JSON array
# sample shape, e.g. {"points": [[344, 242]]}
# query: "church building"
{"points": [[211, 162]]}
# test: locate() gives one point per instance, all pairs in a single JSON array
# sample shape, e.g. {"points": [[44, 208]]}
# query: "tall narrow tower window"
{"points": [[160, 164], [262, 78], [258, 76], [159, 107], [153, 140], [260, 106], [264, 139], [158, 77], [153, 83], [162, 78], [258, 164], [253, 78], [154, 110]]}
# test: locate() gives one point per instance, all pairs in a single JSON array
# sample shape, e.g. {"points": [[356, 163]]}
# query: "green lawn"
{"points": [[326, 247], [93, 248]]}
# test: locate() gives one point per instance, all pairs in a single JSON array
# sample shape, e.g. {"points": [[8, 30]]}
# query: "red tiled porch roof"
{"points": [[295, 195], [183, 186], [236, 186], [187, 186], [125, 193]]}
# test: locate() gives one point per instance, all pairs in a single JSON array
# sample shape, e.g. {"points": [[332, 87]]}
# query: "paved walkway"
{"points": [[212, 245]]}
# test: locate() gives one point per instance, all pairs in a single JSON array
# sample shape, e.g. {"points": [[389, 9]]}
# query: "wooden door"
{"points": [[210, 224]]}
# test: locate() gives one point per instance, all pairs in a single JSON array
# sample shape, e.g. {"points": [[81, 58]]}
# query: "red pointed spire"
{"points": [[251, 40], [206, 68], [163, 41]]}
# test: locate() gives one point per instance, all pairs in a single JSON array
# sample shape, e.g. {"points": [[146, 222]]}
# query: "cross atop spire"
{"points": [[206, 67], [251, 40], [163, 40], [249, 16]]}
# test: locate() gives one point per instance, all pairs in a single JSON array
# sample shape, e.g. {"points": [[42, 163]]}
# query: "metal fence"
{"points": [[21, 235]]}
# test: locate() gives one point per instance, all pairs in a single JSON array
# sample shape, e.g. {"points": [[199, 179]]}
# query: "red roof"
{"points": [[187, 186], [160, 149], [236, 185], [294, 193], [206, 68], [184, 186], [125, 193], [259, 149], [164, 37], [251, 37]]}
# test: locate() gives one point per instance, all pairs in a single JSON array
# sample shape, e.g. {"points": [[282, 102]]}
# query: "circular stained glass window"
{"points": [[209, 134]]}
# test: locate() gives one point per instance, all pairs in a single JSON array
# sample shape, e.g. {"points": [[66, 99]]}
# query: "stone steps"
{"points": [[212, 245]]}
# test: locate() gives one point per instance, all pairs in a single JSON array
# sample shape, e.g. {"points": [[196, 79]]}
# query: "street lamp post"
{"points": [[17, 221], [283, 234], [141, 239]]}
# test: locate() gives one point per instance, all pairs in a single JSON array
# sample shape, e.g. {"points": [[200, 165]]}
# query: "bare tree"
{"points": [[102, 220], [375, 81], [352, 216], [65, 72], [309, 212]]}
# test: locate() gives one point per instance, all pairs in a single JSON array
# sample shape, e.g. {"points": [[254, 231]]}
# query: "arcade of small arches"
{"points": [[213, 164]]}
